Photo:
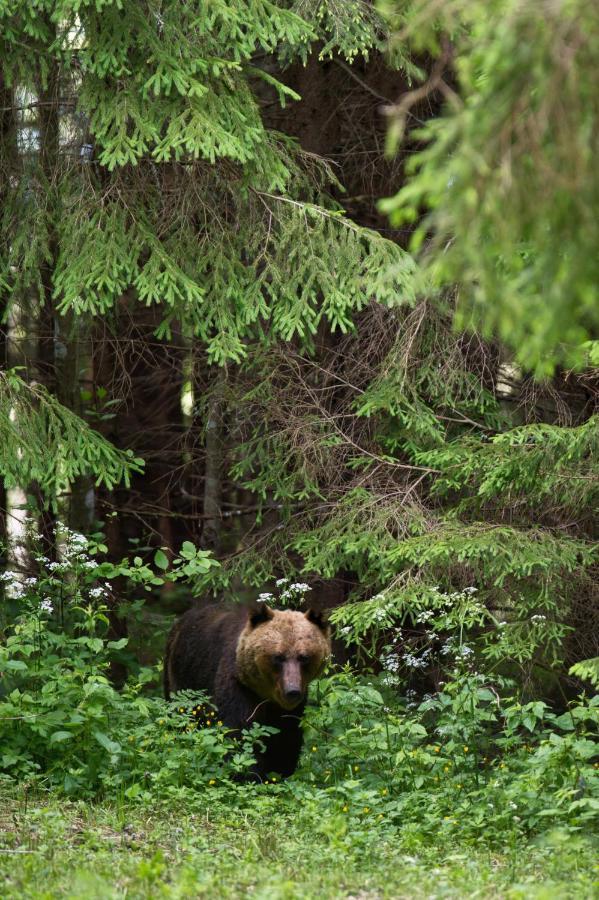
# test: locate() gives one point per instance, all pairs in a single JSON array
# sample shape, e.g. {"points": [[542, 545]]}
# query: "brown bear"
{"points": [[256, 664]]}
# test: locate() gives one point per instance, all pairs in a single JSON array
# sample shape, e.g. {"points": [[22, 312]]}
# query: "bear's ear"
{"points": [[318, 617], [258, 613]]}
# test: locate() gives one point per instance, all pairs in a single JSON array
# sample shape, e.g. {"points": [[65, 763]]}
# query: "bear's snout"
{"points": [[291, 686]]}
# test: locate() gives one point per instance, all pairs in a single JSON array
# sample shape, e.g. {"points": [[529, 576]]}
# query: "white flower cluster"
{"points": [[265, 597], [391, 663], [281, 581], [411, 699], [538, 618], [296, 588], [97, 592], [46, 605], [448, 647], [73, 546], [417, 662], [425, 615]]}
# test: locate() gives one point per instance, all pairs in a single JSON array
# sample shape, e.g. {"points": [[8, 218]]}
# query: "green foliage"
{"points": [[266, 843], [508, 179], [171, 101], [42, 441], [543, 466], [587, 670], [62, 722], [313, 264], [440, 763], [375, 756], [351, 28], [416, 482]]}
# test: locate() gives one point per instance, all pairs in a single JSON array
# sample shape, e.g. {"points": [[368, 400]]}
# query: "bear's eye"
{"points": [[303, 658], [278, 659]]}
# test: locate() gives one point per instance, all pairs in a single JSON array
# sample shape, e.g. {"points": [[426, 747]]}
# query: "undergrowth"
{"points": [[470, 764]]}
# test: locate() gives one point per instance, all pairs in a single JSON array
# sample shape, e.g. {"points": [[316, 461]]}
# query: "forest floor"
{"points": [[51, 848]]}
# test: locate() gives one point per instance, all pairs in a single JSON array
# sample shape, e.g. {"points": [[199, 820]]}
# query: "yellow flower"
{"points": [[345, 809], [219, 722], [130, 738], [314, 749], [446, 768], [208, 722], [356, 768], [384, 792], [380, 816], [465, 749], [181, 709], [366, 809], [212, 781], [437, 749]]}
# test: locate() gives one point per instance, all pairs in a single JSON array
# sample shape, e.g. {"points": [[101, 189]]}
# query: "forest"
{"points": [[299, 314]]}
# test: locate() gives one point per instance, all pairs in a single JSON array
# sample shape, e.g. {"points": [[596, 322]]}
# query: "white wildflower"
{"points": [[46, 605], [6, 577], [425, 615], [281, 581], [97, 592], [264, 597], [30, 582], [391, 663]]}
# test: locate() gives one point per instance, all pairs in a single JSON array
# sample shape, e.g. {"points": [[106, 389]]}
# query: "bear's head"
{"points": [[280, 653]]}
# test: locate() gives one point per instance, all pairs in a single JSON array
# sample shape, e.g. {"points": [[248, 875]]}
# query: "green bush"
{"points": [[467, 757], [472, 757], [62, 722]]}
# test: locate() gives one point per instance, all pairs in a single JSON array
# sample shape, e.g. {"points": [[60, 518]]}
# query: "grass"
{"points": [[266, 847]]}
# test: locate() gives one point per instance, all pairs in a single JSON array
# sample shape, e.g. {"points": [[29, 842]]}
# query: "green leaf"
{"points": [[161, 560], [16, 665], [103, 739], [118, 645], [59, 736]]}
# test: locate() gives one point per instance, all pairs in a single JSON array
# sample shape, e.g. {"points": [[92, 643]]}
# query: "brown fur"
{"points": [[291, 636], [256, 664]]}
